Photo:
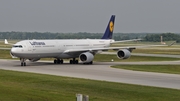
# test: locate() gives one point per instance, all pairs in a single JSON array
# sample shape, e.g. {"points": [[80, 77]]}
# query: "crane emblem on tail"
{"points": [[111, 26]]}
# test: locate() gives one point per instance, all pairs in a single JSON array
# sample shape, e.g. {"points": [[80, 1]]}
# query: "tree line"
{"points": [[166, 37], [152, 37], [80, 35]]}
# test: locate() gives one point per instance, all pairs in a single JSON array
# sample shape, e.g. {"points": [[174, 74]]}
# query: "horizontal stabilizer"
{"points": [[5, 41]]}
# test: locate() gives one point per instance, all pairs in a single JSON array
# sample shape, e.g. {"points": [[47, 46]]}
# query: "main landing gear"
{"points": [[73, 61], [58, 61], [23, 61]]}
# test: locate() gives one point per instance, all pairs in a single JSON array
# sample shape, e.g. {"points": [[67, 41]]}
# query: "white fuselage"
{"points": [[55, 48]]}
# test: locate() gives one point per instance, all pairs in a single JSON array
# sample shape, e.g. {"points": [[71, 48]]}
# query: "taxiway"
{"points": [[99, 71]]}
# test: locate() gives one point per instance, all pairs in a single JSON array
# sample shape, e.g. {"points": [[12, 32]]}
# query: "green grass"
{"points": [[107, 58], [5, 54], [19, 86], [163, 50], [173, 69]]}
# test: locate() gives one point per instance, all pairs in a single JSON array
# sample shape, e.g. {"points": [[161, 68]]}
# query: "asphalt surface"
{"points": [[99, 71]]}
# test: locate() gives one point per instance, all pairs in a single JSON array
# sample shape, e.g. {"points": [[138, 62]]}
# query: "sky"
{"points": [[72, 16]]}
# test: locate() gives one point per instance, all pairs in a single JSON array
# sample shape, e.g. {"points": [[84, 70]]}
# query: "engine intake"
{"points": [[123, 54], [86, 57]]}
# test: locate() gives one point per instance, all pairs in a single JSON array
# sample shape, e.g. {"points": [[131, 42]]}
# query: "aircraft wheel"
{"points": [[61, 61], [22, 64], [55, 61], [23, 61], [76, 61], [58, 61], [91, 62], [71, 62]]}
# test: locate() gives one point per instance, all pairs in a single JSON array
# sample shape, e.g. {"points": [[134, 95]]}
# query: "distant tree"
{"points": [[166, 37]]}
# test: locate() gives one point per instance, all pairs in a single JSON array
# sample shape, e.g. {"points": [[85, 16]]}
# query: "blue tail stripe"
{"points": [[109, 30]]}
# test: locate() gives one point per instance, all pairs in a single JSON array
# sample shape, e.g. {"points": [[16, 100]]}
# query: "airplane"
{"points": [[84, 49]]}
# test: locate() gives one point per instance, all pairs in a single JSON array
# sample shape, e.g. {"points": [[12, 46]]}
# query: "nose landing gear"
{"points": [[23, 61]]}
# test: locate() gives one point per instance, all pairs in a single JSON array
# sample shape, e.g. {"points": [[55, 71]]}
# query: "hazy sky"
{"points": [[89, 15]]}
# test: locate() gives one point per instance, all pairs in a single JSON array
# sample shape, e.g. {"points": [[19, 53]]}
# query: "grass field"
{"points": [[5, 54], [107, 58], [172, 69], [18, 86], [155, 50]]}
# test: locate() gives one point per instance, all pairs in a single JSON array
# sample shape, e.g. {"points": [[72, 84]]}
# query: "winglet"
{"points": [[109, 30], [5, 41]]}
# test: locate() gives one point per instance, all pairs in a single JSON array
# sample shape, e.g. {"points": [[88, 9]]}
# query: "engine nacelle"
{"points": [[123, 54], [86, 57], [34, 60]]}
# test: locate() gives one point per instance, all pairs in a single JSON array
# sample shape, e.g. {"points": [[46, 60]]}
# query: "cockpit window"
{"points": [[17, 46]]}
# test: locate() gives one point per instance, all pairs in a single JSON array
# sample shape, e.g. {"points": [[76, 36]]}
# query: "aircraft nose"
{"points": [[13, 52]]}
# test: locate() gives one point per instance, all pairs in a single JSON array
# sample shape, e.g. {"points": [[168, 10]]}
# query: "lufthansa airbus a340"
{"points": [[84, 49]]}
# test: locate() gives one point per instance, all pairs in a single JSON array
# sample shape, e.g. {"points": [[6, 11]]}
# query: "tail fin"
{"points": [[109, 30]]}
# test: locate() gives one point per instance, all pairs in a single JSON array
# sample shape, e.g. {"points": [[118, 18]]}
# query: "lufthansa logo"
{"points": [[111, 26], [37, 43]]}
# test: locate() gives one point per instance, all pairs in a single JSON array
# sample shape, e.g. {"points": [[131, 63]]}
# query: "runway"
{"points": [[99, 71]]}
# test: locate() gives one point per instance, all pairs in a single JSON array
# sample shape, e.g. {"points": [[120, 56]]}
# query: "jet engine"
{"points": [[86, 57], [34, 60], [123, 54]]}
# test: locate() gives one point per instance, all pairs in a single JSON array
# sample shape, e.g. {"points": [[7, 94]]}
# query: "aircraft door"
{"points": [[60, 47], [30, 48], [90, 44]]}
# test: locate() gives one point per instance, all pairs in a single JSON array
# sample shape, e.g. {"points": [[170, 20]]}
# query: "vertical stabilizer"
{"points": [[109, 30]]}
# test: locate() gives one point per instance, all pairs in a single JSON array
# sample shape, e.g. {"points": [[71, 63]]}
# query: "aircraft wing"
{"points": [[130, 48], [125, 41], [97, 49]]}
